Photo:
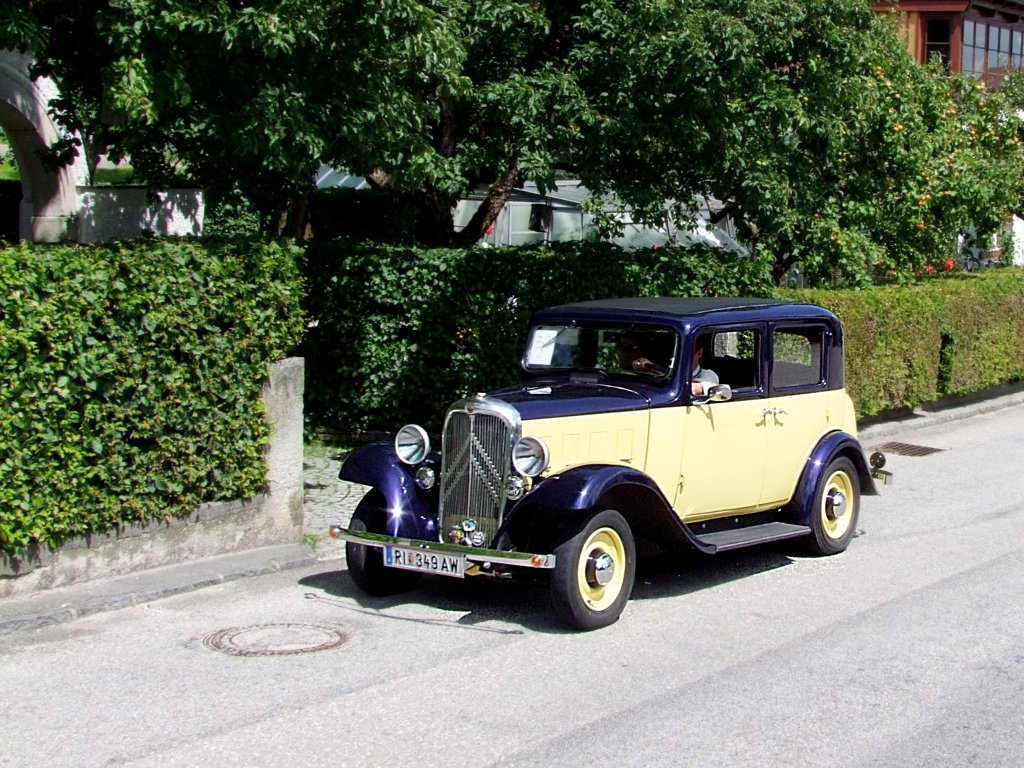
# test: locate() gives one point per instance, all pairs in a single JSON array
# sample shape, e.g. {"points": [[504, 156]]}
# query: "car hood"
{"points": [[546, 401]]}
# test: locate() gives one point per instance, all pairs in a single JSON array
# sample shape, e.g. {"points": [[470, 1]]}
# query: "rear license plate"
{"points": [[425, 561]]}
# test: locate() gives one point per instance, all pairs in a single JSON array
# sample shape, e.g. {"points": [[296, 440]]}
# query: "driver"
{"points": [[633, 356]]}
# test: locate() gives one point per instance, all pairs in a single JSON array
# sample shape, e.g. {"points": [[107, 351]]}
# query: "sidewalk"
{"points": [[328, 500]]}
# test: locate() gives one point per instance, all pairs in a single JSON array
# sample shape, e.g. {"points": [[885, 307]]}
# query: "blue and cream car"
{"points": [[647, 424]]}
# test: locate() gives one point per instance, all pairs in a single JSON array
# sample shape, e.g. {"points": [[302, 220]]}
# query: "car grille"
{"points": [[476, 452]]}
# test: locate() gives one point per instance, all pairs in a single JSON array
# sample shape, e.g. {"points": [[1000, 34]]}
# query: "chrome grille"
{"points": [[476, 452]]}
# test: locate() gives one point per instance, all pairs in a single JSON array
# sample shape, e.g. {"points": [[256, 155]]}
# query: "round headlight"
{"points": [[530, 456], [412, 444], [425, 478]]}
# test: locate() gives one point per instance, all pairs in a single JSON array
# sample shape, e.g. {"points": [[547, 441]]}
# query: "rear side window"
{"points": [[797, 355]]}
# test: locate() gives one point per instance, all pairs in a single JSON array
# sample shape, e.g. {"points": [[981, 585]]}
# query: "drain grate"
{"points": [[274, 639], [908, 449]]}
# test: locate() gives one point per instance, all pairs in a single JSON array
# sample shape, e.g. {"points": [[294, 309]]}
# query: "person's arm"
{"points": [[643, 365], [703, 382]]}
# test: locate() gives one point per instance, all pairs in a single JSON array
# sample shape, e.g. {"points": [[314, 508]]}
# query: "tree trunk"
{"points": [[295, 220], [489, 209]]}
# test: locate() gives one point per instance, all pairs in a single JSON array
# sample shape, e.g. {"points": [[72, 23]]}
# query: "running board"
{"points": [[735, 538]]}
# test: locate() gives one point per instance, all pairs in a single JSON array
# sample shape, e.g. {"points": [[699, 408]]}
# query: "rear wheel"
{"points": [[836, 506], [366, 564], [594, 572]]}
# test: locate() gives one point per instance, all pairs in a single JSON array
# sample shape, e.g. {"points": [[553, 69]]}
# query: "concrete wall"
{"points": [[1018, 241], [119, 213], [272, 518]]}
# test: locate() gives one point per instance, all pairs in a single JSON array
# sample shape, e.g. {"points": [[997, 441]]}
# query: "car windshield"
{"points": [[631, 350]]}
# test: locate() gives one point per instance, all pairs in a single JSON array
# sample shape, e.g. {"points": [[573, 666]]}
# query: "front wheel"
{"points": [[594, 572], [836, 506], [366, 564]]}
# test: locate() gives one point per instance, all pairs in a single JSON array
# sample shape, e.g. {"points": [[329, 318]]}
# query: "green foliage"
{"points": [[17, 26], [915, 344], [398, 333], [130, 380], [230, 216], [809, 120], [827, 144]]}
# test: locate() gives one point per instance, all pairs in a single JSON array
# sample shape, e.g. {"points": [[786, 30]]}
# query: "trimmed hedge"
{"points": [[130, 380], [916, 344], [399, 333]]}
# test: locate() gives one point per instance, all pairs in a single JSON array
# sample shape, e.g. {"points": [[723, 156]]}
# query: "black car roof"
{"points": [[675, 309], [675, 305]]}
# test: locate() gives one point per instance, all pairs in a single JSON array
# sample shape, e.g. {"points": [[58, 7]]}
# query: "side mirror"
{"points": [[719, 393]]}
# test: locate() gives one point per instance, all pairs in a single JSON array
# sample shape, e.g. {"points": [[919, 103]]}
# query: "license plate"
{"points": [[425, 561]]}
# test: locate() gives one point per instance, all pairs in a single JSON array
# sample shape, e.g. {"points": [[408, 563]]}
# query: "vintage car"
{"points": [[619, 440]]}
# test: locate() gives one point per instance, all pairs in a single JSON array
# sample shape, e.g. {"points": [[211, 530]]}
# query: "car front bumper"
{"points": [[472, 554]]}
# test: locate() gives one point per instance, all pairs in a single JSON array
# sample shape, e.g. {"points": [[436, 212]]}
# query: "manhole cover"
{"points": [[274, 639], [907, 449]]}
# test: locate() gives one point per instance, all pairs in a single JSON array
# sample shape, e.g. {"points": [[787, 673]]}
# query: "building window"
{"points": [[540, 218], [937, 40], [991, 50]]}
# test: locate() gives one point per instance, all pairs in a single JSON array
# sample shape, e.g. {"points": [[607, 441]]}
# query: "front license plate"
{"points": [[425, 561]]}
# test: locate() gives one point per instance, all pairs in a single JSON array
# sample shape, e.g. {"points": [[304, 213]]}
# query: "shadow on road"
{"points": [[523, 600]]}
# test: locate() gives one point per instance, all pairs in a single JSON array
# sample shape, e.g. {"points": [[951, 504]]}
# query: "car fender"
{"points": [[830, 447], [562, 503], [409, 508]]}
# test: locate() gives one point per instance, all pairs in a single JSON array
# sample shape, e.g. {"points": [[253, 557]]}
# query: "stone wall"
{"points": [[272, 518]]}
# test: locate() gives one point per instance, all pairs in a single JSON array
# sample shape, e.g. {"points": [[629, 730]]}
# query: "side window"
{"points": [[797, 357], [734, 358]]}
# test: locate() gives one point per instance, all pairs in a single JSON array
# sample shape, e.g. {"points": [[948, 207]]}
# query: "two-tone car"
{"points": [[650, 424]]}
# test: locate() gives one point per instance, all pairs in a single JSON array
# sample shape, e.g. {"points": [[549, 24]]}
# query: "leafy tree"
{"points": [[225, 93], [808, 119]]}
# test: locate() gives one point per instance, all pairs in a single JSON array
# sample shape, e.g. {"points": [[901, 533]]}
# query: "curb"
{"points": [[922, 418]]}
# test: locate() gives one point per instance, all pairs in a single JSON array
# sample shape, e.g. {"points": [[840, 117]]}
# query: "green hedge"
{"points": [[916, 344], [398, 333], [130, 380]]}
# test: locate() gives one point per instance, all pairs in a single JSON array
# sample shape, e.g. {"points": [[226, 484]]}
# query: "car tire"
{"points": [[366, 564], [836, 505], [594, 572]]}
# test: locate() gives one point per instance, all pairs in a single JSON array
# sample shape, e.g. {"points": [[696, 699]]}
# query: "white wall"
{"points": [[1018, 241], [119, 213]]}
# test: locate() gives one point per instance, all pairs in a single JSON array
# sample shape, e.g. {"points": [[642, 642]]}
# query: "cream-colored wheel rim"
{"points": [[837, 505], [601, 569]]}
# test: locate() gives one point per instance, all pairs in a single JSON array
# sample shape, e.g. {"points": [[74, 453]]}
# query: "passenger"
{"points": [[701, 379]]}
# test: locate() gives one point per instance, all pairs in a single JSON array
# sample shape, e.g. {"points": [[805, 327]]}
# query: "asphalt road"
{"points": [[906, 650]]}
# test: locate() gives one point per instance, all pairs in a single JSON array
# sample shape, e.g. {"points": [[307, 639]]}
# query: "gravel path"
{"points": [[327, 500]]}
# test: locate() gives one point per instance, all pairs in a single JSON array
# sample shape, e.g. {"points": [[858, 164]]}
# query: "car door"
{"points": [[799, 406], [726, 443]]}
